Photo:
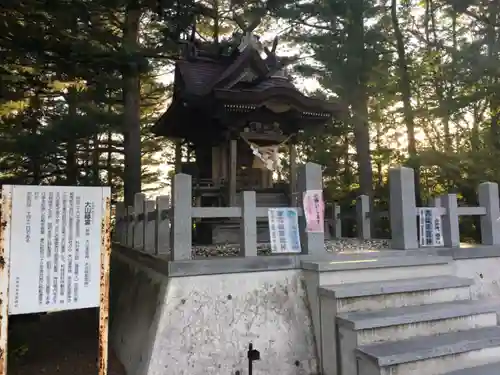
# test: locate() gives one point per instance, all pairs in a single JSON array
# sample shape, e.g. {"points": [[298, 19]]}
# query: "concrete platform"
{"points": [[431, 355], [370, 327], [368, 296], [414, 314], [394, 286], [366, 268], [367, 261], [379, 269], [491, 369]]}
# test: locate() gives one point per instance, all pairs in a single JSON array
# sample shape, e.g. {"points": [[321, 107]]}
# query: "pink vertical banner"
{"points": [[314, 211]]}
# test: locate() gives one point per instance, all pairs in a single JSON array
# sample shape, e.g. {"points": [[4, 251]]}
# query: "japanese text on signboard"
{"points": [[430, 227], [314, 211], [284, 230], [56, 235]]}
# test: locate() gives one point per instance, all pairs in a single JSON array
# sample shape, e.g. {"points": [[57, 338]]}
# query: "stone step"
{"points": [[433, 355], [368, 296], [371, 261], [365, 328], [369, 320], [347, 270], [396, 286], [490, 369], [386, 271]]}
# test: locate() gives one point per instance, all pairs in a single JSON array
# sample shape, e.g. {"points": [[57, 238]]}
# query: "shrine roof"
{"points": [[202, 78], [248, 77], [268, 83], [276, 89], [198, 75]]}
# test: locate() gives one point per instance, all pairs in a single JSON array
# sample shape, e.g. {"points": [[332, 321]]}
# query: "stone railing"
{"points": [[402, 202], [161, 229], [158, 228], [403, 212]]}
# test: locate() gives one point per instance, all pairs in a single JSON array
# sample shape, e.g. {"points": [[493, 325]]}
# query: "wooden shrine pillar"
{"points": [[293, 173], [233, 150], [264, 178], [216, 165], [223, 167]]}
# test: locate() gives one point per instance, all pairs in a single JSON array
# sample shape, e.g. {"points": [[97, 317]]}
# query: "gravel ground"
{"points": [[333, 246], [63, 343]]}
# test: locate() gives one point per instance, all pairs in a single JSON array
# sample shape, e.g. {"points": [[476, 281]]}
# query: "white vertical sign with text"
{"points": [[314, 211], [284, 230], [55, 248], [430, 227]]}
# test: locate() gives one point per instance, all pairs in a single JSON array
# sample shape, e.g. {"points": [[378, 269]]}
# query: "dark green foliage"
{"points": [[61, 98], [63, 63]]}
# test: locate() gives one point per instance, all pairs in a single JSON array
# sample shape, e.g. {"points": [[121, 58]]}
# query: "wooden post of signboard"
{"points": [[104, 286], [6, 210]]}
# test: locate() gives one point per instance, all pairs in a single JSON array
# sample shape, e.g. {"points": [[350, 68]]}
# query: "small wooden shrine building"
{"points": [[232, 108]]}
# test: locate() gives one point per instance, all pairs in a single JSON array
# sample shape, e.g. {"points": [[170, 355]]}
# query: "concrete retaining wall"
{"points": [[136, 303], [203, 324], [195, 323], [486, 275], [482, 264]]}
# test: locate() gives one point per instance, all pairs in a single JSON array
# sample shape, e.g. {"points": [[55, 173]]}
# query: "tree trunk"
{"points": [[405, 90], [362, 136], [438, 79], [34, 154], [71, 159], [359, 96], [96, 156], [132, 113], [378, 162], [493, 54], [109, 159], [347, 179]]}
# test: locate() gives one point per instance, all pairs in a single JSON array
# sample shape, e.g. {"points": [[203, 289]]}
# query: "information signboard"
{"points": [[54, 254], [284, 230], [55, 248], [430, 227]]}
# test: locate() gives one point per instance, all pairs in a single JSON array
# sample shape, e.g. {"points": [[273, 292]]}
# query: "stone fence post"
{"points": [[139, 221], [248, 224], [162, 225], [451, 230], [149, 226], [490, 223], [182, 223], [309, 177], [130, 226], [120, 223], [403, 209], [337, 221], [363, 218]]}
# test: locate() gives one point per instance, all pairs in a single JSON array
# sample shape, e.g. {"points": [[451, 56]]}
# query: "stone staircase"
{"points": [[400, 315]]}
